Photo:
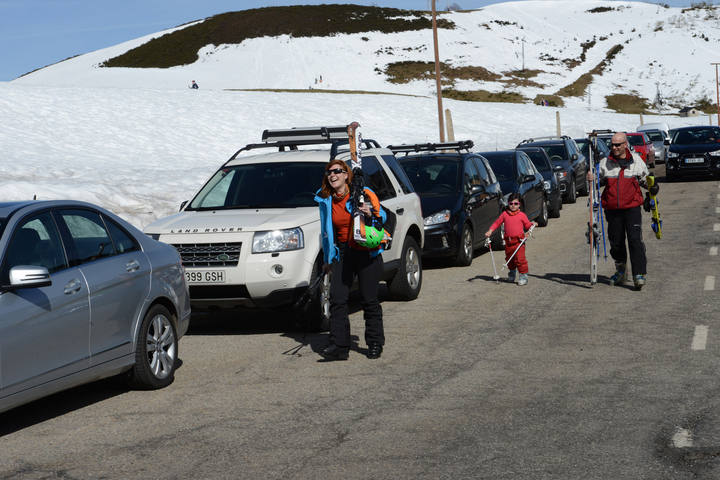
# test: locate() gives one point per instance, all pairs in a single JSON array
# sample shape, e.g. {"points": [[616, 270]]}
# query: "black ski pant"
{"points": [[622, 224], [368, 270]]}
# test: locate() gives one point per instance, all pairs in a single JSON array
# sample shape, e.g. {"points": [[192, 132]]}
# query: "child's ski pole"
{"points": [[529, 232], [488, 244]]}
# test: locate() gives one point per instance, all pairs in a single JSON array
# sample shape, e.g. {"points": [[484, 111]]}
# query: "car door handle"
{"points": [[73, 286], [132, 265], [400, 211]]}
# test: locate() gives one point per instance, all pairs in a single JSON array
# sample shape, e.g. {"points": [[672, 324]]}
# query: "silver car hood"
{"points": [[239, 220]]}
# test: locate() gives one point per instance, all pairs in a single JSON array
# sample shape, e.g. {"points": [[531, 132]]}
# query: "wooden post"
{"points": [[438, 86], [449, 126], [557, 122], [641, 120]]}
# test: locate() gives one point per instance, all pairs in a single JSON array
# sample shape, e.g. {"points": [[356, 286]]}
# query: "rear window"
{"points": [[655, 135], [636, 140]]}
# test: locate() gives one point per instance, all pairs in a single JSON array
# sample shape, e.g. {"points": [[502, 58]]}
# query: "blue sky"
{"points": [[36, 33]]}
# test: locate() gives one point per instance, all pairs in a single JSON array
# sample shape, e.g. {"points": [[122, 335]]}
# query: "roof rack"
{"points": [[430, 147], [597, 132], [291, 138], [548, 137]]}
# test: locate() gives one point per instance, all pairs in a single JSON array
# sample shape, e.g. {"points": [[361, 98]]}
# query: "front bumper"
{"points": [[690, 165], [440, 240]]}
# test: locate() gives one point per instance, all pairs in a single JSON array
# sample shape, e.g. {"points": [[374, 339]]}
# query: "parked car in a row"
{"points": [[84, 295], [693, 151], [459, 193], [250, 237], [542, 163]]}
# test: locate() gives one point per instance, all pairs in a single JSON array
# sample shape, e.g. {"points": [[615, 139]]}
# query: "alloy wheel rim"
{"points": [[161, 347]]}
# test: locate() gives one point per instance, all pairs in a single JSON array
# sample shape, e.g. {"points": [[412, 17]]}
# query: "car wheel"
{"points": [[156, 351], [585, 190], [497, 241], [571, 196], [407, 281], [542, 219], [554, 212], [315, 316], [464, 255]]}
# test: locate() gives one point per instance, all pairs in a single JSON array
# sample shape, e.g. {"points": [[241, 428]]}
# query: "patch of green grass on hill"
{"points": [[181, 47], [319, 90], [626, 103], [483, 96]]}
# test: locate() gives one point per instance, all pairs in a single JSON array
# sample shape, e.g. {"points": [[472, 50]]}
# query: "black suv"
{"points": [[564, 152], [552, 186], [693, 151], [459, 194]]}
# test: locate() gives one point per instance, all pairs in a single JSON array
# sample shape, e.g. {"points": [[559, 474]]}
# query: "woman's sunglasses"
{"points": [[336, 171]]}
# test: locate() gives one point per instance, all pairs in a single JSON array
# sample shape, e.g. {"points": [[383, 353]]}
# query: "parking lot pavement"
{"points": [[478, 380]]}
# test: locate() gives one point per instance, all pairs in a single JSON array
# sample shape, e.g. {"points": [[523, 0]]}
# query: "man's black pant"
{"points": [[369, 270], [627, 223]]}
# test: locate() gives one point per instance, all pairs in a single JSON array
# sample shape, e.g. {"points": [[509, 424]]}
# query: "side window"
{"points": [[400, 175], [376, 178], [482, 172], [35, 242], [90, 238], [522, 166], [572, 148], [123, 242], [471, 177]]}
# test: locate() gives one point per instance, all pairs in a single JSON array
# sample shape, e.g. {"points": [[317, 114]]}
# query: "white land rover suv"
{"points": [[251, 235]]}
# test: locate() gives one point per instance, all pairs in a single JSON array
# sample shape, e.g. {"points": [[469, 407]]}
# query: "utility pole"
{"points": [[717, 90], [438, 85], [523, 54]]}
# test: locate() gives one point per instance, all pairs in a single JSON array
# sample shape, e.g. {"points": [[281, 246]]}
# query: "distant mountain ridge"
{"points": [[629, 57]]}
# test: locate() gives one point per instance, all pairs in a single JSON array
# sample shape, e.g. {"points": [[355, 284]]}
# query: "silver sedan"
{"points": [[84, 295]]}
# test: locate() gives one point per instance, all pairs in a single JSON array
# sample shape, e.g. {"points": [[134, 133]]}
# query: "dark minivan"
{"points": [[552, 185], [459, 194]]}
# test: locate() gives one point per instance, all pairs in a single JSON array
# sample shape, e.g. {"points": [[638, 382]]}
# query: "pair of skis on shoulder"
{"points": [[596, 223]]}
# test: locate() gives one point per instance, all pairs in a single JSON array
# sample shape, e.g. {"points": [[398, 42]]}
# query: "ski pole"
{"points": [[488, 244], [529, 232], [602, 215]]}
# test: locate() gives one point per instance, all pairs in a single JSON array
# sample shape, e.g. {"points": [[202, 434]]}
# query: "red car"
{"points": [[642, 144]]}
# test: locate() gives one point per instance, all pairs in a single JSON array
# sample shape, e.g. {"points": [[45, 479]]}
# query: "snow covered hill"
{"points": [[557, 41]]}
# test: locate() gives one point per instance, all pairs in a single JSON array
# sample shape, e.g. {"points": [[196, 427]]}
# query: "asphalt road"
{"points": [[554, 380]]}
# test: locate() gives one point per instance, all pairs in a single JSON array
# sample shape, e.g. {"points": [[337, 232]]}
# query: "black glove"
{"points": [[646, 203], [654, 189]]}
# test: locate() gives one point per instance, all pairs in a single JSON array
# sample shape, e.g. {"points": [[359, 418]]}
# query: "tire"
{"points": [[156, 351], [542, 219], [497, 241], [315, 316], [571, 196], [583, 192], [406, 283], [555, 211], [464, 255]]}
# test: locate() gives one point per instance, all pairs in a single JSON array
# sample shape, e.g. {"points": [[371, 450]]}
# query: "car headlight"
{"points": [[673, 155], [547, 185], [561, 175], [437, 218], [278, 240], [715, 154]]}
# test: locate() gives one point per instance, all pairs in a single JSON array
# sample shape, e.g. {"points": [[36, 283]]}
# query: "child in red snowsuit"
{"points": [[516, 224]]}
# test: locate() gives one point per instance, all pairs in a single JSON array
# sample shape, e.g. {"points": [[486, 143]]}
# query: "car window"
{"points": [[471, 176], [376, 178], [538, 159], [261, 185], [90, 238], [523, 165], [35, 242], [482, 171], [635, 140], [697, 135], [555, 152], [121, 239], [572, 148], [400, 175], [655, 135], [488, 169], [432, 175], [503, 166]]}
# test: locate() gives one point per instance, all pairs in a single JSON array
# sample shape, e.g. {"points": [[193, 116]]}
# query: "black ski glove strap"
{"points": [[654, 189], [646, 202]]}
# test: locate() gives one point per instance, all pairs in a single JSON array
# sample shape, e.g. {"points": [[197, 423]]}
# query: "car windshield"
{"points": [[538, 159], [503, 165], [697, 135], [261, 185], [555, 152], [635, 140], [655, 135], [432, 175]]}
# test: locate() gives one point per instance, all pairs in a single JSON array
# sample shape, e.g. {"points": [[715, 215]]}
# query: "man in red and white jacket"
{"points": [[622, 173]]}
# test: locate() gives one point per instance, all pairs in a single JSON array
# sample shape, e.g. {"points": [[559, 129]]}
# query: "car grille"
{"points": [[209, 254], [204, 292]]}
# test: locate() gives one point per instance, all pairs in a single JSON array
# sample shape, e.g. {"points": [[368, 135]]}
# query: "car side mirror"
{"points": [[527, 178], [666, 141], [477, 189], [29, 276], [557, 168], [182, 205], [574, 156]]}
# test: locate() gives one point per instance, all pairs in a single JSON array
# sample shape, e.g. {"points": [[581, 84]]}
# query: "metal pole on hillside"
{"points": [[437, 75], [717, 90]]}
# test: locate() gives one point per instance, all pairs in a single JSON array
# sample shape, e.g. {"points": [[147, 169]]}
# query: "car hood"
{"points": [[235, 220], [694, 148], [436, 203]]}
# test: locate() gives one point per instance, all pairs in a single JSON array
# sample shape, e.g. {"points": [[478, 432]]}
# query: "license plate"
{"points": [[205, 276], [694, 160]]}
